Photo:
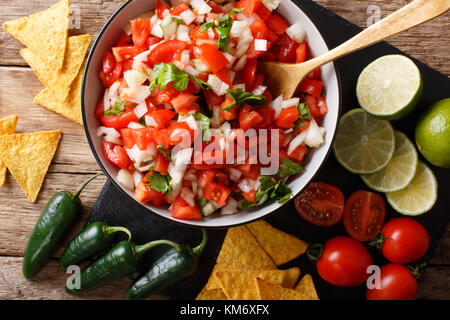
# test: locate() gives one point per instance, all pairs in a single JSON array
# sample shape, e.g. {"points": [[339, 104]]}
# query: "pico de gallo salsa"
{"points": [[188, 71]]}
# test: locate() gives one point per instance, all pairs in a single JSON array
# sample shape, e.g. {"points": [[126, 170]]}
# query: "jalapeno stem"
{"points": [[199, 249], [108, 231], [143, 248], [84, 184]]}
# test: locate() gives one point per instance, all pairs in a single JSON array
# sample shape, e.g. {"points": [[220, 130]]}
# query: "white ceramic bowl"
{"points": [[92, 91]]}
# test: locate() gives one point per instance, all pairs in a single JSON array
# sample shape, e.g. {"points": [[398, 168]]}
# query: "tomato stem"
{"points": [[377, 241], [314, 251], [417, 270]]}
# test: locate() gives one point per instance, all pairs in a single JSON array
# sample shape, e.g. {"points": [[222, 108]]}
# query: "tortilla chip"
{"points": [[44, 33], [71, 108], [7, 126], [238, 285], [280, 246], [286, 278], [28, 156], [214, 294], [241, 251], [306, 287], [59, 81], [269, 291]]}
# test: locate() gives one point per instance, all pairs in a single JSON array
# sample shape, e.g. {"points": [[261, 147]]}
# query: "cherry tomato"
{"points": [[364, 214], [109, 62], [396, 283], [249, 74], [321, 204], [406, 240], [344, 262]]}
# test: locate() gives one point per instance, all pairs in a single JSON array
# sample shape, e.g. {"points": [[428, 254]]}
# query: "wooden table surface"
{"points": [[74, 161]]}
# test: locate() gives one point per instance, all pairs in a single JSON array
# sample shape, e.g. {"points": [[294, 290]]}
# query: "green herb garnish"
{"points": [[205, 123], [234, 11], [165, 73], [163, 151], [160, 182], [240, 97], [289, 168], [303, 114], [118, 109]]}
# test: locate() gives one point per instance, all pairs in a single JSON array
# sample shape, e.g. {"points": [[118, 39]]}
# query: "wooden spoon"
{"points": [[283, 78]]}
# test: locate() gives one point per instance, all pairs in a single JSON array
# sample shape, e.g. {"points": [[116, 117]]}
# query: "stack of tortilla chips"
{"points": [[246, 268], [56, 58]]}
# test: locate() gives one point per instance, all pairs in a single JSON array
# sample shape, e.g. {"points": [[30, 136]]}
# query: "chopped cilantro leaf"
{"points": [[205, 123], [160, 182], [240, 97], [118, 109], [289, 168]]}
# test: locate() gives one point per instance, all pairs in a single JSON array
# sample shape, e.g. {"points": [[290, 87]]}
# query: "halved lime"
{"points": [[390, 87], [400, 170], [419, 196], [364, 144]]}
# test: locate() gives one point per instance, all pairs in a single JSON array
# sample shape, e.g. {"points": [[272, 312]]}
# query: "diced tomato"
{"points": [[248, 118], [272, 37], [124, 40], [180, 132], [127, 137], [223, 76], [142, 137], [140, 29], [311, 86], [205, 176], [120, 121], [212, 99], [268, 115], [250, 171], [196, 34], [145, 194], [252, 53], [263, 12], [109, 62], [109, 78], [161, 164], [161, 6], [222, 178], [298, 154], [184, 103], [268, 56], [249, 74], [277, 24], [216, 192], [249, 196], [126, 65], [227, 115], [249, 6], [288, 48], [116, 154], [259, 29], [162, 117], [161, 138], [287, 118], [212, 57], [300, 52], [179, 8], [166, 51], [304, 126], [153, 40], [317, 107], [315, 74], [216, 8], [167, 94], [182, 210], [126, 52]]}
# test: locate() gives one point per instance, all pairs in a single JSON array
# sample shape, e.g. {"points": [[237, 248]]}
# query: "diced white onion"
{"points": [[276, 105], [217, 85], [271, 4], [237, 28], [246, 185], [211, 34], [314, 136], [241, 63], [112, 139], [227, 7], [188, 196], [125, 178], [230, 208], [260, 45], [140, 110], [106, 101], [108, 131], [138, 93], [183, 33], [229, 57], [200, 6], [231, 75], [296, 32], [138, 61], [150, 122], [208, 209], [134, 78], [213, 16], [200, 18], [188, 16], [191, 70], [185, 57], [183, 158], [200, 66], [157, 30], [240, 86], [135, 125], [298, 140], [137, 155], [235, 174], [137, 177], [290, 103], [113, 93], [259, 90], [217, 112], [190, 175]]}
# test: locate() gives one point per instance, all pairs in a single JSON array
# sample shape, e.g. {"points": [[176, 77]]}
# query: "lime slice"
{"points": [[389, 87], [400, 170], [364, 144], [419, 196]]}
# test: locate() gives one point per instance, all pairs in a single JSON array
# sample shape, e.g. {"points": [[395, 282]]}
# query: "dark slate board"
{"points": [[115, 208]]}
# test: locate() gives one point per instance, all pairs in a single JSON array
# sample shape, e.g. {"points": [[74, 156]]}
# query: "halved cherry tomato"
{"points": [[248, 118], [166, 51], [109, 78], [321, 204], [405, 240], [277, 24], [116, 154], [182, 210], [216, 192], [300, 52], [364, 214], [162, 117], [344, 262], [311, 86], [161, 164], [126, 52], [287, 118], [212, 57], [109, 62], [145, 194], [140, 29], [317, 107], [249, 6], [249, 74], [396, 283]]}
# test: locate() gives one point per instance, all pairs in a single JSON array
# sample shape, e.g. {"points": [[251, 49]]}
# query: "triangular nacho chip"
{"points": [[59, 81], [269, 291], [7, 126], [239, 285], [45, 33], [241, 251], [306, 287], [280, 246], [71, 108], [28, 156], [214, 294]]}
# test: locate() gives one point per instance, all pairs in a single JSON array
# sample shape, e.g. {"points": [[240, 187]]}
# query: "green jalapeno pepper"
{"points": [[55, 219], [120, 261], [93, 239], [171, 267]]}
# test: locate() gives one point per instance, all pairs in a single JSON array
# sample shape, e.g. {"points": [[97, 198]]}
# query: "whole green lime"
{"points": [[433, 134]]}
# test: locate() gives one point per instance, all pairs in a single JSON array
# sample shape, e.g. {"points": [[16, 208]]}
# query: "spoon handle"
{"points": [[411, 15]]}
